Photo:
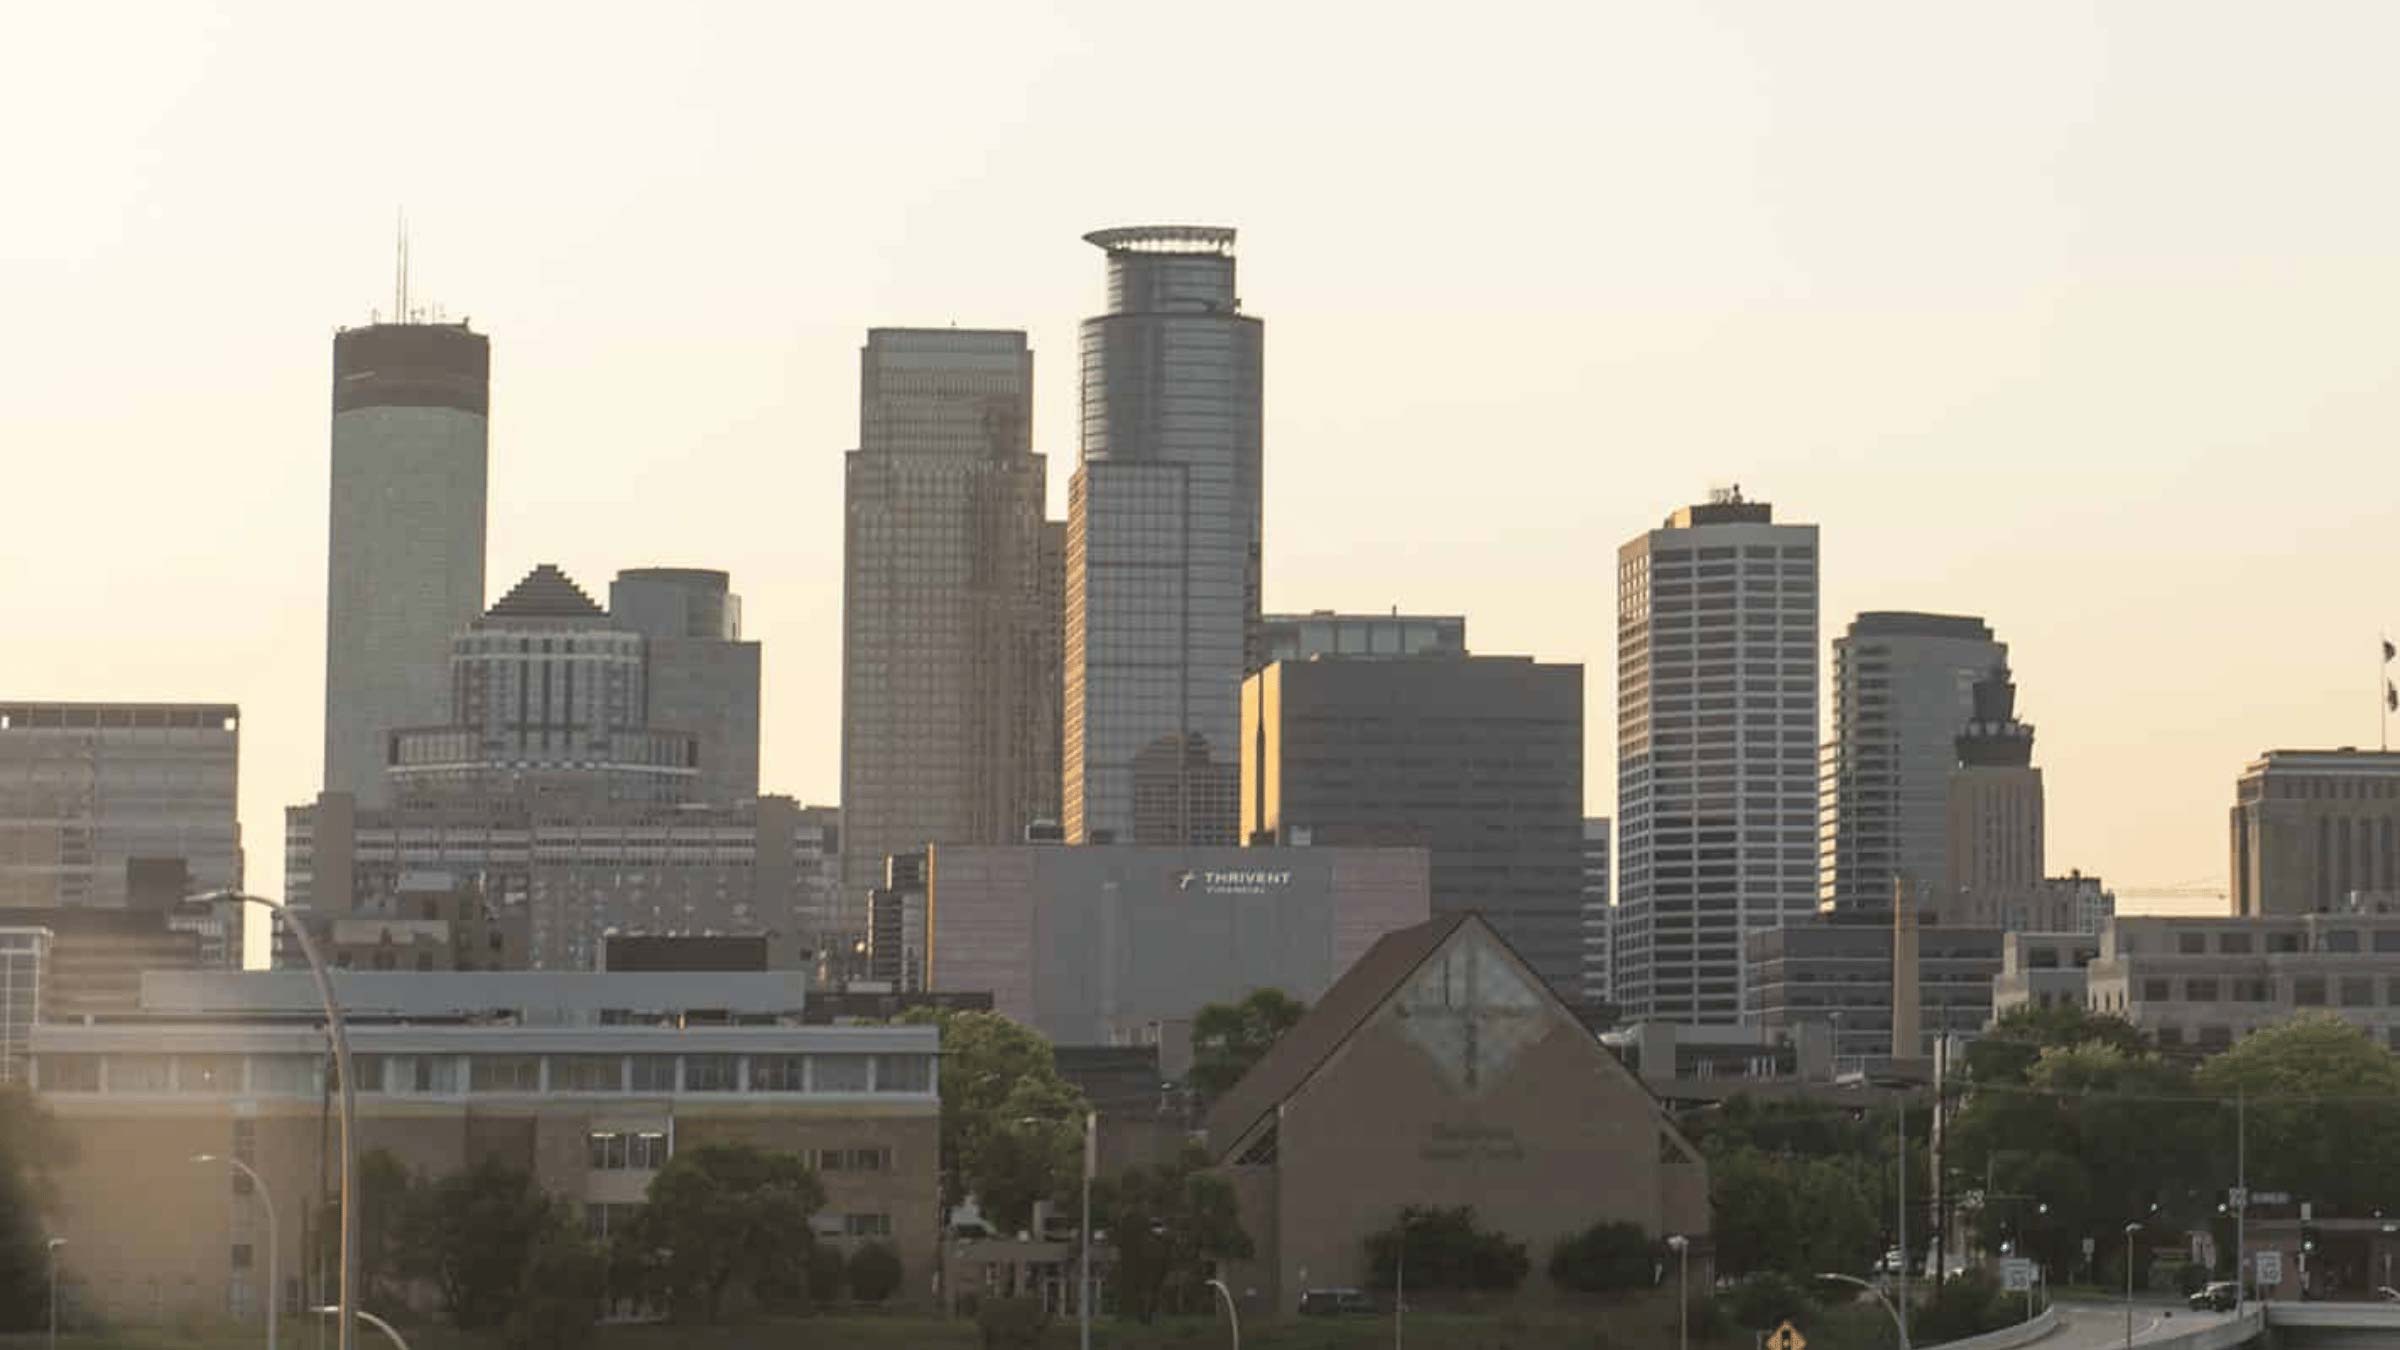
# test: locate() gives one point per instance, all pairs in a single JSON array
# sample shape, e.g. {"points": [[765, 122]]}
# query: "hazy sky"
{"points": [[2078, 318]]}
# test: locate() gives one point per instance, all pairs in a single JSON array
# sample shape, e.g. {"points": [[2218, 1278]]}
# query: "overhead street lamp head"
{"points": [[2132, 1228], [204, 1157], [55, 1243], [1677, 1242]]}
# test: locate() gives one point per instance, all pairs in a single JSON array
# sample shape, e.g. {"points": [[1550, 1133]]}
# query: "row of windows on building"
{"points": [[452, 1074], [2306, 991]]}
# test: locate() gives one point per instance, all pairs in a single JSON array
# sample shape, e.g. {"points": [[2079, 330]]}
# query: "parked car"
{"points": [[2217, 1296], [1334, 1302]]}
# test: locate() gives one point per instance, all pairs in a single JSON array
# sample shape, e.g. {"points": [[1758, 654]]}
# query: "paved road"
{"points": [[2099, 1326]]}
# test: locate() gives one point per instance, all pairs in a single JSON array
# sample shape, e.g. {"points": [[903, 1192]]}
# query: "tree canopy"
{"points": [[1167, 1225], [2314, 1089], [722, 1214], [1445, 1249], [1011, 1127], [1227, 1038]]}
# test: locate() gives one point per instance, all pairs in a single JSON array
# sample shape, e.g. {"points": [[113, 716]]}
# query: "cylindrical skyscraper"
{"points": [[404, 549], [1163, 544]]}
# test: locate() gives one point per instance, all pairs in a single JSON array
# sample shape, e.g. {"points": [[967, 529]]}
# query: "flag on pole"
{"points": [[2391, 697], [2389, 651]]}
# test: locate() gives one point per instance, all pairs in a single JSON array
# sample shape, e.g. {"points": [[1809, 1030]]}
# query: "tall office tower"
{"points": [[1297, 637], [1163, 544], [2313, 832], [1902, 687], [404, 557], [1477, 759], [1044, 768], [947, 728], [1596, 912], [546, 702], [1716, 752], [701, 677], [117, 805]]}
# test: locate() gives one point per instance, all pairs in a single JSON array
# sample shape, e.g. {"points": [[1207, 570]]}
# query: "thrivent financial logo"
{"points": [[1242, 882]]}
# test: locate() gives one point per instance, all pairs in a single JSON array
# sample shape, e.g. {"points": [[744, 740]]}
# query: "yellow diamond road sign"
{"points": [[1786, 1337]]}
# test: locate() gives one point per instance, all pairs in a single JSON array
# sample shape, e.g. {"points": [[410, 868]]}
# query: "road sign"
{"points": [[2088, 1245], [1786, 1337], [2016, 1275], [2238, 1196], [2270, 1268]]}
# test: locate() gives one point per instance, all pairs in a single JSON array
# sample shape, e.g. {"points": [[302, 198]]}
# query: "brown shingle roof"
{"points": [[1354, 997]]}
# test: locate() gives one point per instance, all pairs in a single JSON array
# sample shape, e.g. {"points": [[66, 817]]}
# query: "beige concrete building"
{"points": [[2314, 828], [592, 1108], [1441, 1071], [2206, 983], [2046, 970]]}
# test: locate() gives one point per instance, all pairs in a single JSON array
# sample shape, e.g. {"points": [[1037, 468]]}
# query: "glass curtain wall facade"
{"points": [[950, 727], [1163, 545], [104, 805], [1903, 686], [1716, 753], [404, 559]]}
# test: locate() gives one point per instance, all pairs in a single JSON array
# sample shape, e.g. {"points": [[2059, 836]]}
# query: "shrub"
{"points": [[827, 1274], [1446, 1251], [1764, 1302], [1012, 1323], [874, 1273], [1607, 1257]]}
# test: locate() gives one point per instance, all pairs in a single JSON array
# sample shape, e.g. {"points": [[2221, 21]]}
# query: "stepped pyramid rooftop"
{"points": [[546, 593]]}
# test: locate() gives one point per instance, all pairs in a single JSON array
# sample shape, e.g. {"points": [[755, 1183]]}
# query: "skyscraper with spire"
{"points": [[1163, 555], [405, 537]]}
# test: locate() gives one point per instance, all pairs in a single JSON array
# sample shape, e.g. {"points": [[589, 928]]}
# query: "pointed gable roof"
{"points": [[1370, 983], [546, 593], [1370, 980]]}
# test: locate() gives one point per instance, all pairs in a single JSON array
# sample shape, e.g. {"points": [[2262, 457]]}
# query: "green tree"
{"points": [[1227, 1038], [1445, 1250], [997, 1076], [1167, 1225], [472, 1235], [558, 1298], [1794, 1215], [2317, 1089], [2007, 1052], [874, 1272], [1605, 1257], [31, 1147], [2096, 1133], [720, 1214], [828, 1275]]}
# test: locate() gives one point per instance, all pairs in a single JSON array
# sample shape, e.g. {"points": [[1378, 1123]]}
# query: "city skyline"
{"points": [[2132, 351]]}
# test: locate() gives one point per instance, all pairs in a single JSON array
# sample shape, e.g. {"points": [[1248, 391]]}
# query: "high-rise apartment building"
{"points": [[1902, 688], [1716, 752], [1597, 913], [111, 805], [1477, 759], [700, 677], [404, 558], [949, 695], [2313, 831], [1163, 545]]}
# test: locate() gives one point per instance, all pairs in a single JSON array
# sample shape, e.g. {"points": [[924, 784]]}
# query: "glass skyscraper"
{"points": [[1163, 545], [1716, 753], [949, 612]]}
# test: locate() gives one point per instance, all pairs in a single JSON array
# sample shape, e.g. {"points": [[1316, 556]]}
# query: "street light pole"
{"points": [[1683, 1290], [1083, 1296], [376, 1322], [1232, 1313], [346, 1316], [54, 1245], [274, 1243], [2130, 1230], [1879, 1298]]}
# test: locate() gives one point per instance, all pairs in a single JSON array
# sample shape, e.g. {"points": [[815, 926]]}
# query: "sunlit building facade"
{"points": [[105, 805], [949, 612]]}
